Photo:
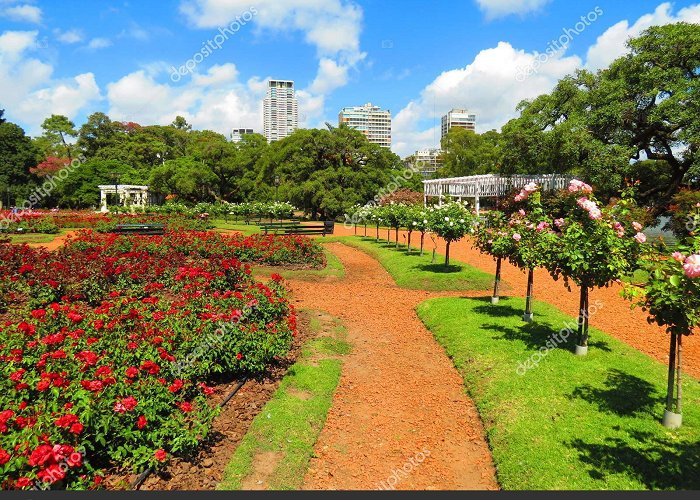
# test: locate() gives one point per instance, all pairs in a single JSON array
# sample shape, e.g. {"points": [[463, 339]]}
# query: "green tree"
{"points": [[58, 130], [17, 155], [97, 133], [468, 153]]}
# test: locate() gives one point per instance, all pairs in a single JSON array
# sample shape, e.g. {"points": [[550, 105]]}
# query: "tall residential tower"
{"points": [[459, 118], [280, 110], [372, 121]]}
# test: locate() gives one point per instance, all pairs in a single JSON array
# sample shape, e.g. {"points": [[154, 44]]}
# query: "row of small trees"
{"points": [[576, 239], [451, 222]]}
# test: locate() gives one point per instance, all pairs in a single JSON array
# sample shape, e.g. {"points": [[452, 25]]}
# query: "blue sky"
{"points": [[416, 58]]}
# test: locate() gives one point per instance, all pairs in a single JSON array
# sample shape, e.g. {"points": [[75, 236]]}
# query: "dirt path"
{"points": [[400, 403], [56, 243], [614, 317]]}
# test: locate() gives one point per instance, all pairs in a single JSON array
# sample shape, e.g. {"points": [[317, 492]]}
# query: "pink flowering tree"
{"points": [[495, 237], [594, 246], [672, 299]]}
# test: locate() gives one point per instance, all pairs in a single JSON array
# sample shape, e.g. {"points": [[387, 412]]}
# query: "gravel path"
{"points": [[400, 403], [614, 317]]}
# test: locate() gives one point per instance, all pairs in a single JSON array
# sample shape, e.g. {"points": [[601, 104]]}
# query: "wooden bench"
{"points": [[147, 229], [296, 227]]}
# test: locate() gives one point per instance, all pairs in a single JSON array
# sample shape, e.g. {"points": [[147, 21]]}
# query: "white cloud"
{"points": [[26, 83], [488, 86], [23, 13], [611, 44], [69, 37], [215, 100], [332, 26], [501, 8], [98, 43]]}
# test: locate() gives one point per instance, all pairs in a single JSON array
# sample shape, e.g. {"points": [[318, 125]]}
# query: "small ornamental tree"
{"points": [[451, 222], [395, 215], [529, 230], [594, 246], [672, 299], [411, 214], [417, 219], [494, 238]]}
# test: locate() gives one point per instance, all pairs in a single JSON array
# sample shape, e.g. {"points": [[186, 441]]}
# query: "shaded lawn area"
{"points": [[241, 227], [567, 422], [38, 238], [414, 272]]}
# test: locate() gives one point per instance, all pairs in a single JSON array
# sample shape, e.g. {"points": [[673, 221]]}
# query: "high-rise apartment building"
{"points": [[372, 121], [460, 118], [238, 133], [280, 110]]}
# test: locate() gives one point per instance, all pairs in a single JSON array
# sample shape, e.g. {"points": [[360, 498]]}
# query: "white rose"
{"points": [[425, 221], [447, 219], [415, 223]]}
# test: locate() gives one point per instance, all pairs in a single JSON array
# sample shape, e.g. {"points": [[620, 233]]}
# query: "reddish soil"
{"points": [[56, 243], [614, 317], [400, 403]]}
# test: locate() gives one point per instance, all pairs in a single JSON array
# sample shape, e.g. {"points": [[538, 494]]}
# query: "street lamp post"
{"points": [[277, 188]]}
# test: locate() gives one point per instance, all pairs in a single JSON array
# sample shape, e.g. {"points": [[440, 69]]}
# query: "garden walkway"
{"points": [[614, 316], [400, 404]]}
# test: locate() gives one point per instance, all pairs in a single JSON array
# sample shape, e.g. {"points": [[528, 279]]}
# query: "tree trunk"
{"points": [[528, 300], [422, 240], [388, 235], [671, 372], [355, 226], [377, 232], [497, 283], [365, 230], [397, 238], [583, 317], [447, 254], [409, 241]]}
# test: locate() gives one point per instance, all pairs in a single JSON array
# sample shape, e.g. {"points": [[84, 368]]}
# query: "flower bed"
{"points": [[109, 346]]}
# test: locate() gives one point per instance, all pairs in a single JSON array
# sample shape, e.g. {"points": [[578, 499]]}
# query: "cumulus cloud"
{"points": [[214, 100], [332, 26], [488, 86], [26, 83], [502, 8], [23, 13], [611, 44]]}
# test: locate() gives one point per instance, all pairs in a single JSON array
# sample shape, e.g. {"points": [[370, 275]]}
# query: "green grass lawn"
{"points": [[290, 423], [240, 226], [35, 237], [568, 423], [419, 273], [334, 270]]}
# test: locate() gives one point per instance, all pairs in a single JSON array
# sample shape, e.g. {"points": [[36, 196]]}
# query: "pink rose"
{"points": [[692, 266], [559, 222], [542, 226], [519, 198], [521, 212], [641, 238], [678, 257], [637, 226], [577, 186], [530, 188], [517, 237]]}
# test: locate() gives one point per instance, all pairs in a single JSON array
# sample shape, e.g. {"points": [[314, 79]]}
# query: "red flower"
{"points": [[51, 474], [126, 404], [239, 356], [77, 428], [66, 420], [276, 277], [41, 455], [74, 316], [38, 313], [206, 389], [23, 482], [150, 367], [132, 345], [43, 385], [132, 372], [17, 376], [176, 386], [92, 385], [141, 422], [160, 455], [185, 406], [4, 457]]}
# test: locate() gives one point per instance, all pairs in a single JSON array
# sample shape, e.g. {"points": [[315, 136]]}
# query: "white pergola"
{"points": [[128, 195], [491, 185]]}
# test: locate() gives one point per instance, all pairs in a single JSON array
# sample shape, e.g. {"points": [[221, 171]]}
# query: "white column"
{"points": [[477, 206], [103, 200]]}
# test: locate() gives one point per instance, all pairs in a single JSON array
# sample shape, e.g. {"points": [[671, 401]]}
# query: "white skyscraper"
{"points": [[280, 110], [459, 118], [372, 121]]}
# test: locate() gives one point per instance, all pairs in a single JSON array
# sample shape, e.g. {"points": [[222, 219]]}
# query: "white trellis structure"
{"points": [[491, 185]]}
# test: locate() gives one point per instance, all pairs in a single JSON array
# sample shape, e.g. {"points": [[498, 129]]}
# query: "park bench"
{"points": [[147, 229], [296, 227]]}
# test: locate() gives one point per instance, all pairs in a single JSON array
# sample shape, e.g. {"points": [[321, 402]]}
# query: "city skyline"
{"points": [[209, 61]]}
